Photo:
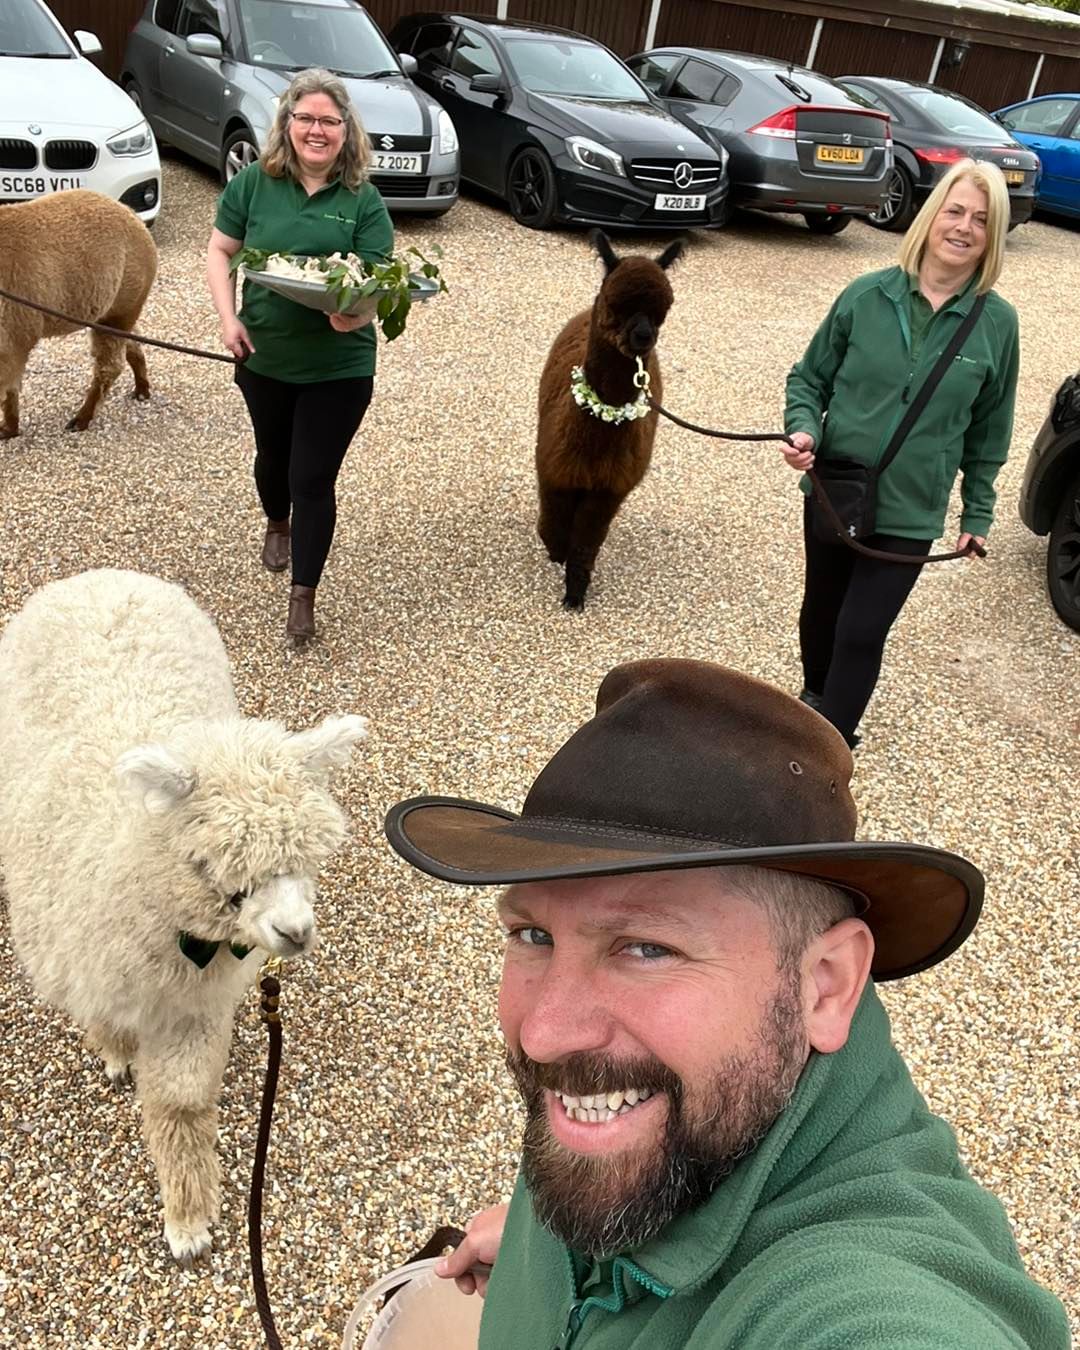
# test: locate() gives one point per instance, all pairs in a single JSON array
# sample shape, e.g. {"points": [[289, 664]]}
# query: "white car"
{"points": [[63, 124]]}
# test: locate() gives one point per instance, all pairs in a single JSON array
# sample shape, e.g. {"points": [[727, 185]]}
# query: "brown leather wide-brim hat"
{"points": [[689, 764]]}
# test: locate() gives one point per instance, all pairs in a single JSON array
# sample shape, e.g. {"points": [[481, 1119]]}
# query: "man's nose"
{"points": [[566, 1017]]}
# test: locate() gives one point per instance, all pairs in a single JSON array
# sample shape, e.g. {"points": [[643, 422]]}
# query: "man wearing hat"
{"points": [[723, 1149]]}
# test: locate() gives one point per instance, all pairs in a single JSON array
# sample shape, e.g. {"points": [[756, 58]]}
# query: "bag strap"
{"points": [[922, 398]]}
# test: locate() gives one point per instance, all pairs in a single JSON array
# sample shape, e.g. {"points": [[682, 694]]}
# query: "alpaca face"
{"points": [[633, 304]]}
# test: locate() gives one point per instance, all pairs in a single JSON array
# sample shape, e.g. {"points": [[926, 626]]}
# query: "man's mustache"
{"points": [[583, 1073]]}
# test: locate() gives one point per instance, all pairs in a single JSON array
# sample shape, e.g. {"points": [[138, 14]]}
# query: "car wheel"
{"points": [[530, 189], [131, 88], [822, 224], [1063, 557], [897, 209], [239, 151]]}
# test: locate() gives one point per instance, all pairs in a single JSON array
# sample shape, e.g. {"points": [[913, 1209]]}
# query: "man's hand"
{"points": [[483, 1233], [965, 539], [800, 454], [346, 324]]}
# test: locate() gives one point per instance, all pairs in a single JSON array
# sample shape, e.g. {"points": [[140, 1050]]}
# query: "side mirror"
{"points": [[409, 63], [205, 44], [487, 84], [87, 43]]}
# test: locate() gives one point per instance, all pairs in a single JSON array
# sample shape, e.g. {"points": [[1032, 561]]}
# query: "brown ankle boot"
{"points": [[275, 554], [301, 622]]}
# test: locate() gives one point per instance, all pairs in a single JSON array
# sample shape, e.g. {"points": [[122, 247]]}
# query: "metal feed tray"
{"points": [[314, 295]]}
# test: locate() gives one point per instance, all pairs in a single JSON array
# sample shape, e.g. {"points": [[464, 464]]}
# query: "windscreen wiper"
{"points": [[377, 75], [41, 56]]}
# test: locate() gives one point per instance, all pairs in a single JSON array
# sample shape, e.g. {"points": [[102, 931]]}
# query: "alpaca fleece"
{"points": [[85, 255], [138, 805]]}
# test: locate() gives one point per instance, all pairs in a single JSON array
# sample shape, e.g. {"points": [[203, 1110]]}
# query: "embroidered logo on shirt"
{"points": [[341, 220]]}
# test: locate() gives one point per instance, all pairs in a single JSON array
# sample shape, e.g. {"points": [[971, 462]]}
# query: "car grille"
{"points": [[70, 154], [17, 154], [659, 174], [401, 143], [400, 185]]}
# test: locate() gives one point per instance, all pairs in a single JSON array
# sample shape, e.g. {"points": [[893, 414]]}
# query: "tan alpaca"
{"points": [[85, 255]]}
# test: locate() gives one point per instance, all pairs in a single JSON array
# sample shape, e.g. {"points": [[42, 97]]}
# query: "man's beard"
{"points": [[600, 1204]]}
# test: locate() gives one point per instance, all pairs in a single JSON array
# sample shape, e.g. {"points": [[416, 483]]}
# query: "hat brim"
{"points": [[921, 903]]}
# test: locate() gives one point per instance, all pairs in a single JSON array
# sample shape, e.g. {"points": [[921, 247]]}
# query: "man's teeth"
{"points": [[602, 1107]]}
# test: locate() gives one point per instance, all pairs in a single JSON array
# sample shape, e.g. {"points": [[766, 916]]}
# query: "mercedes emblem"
{"points": [[684, 175]]}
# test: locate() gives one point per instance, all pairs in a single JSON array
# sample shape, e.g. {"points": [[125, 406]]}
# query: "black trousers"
{"points": [[302, 432], [849, 605]]}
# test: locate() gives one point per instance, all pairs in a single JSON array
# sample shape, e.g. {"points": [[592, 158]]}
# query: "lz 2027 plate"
{"points": [[384, 161]]}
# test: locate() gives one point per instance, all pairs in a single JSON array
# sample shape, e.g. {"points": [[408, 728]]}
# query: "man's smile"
{"points": [[590, 1123]]}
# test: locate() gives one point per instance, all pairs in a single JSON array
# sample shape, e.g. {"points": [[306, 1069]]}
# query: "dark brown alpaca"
{"points": [[585, 467]]}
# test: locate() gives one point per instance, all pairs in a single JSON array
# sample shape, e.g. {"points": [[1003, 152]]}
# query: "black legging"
{"points": [[301, 434], [849, 605]]}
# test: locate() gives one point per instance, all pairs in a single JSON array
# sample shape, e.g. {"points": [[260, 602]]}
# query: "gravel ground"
{"points": [[440, 620]]}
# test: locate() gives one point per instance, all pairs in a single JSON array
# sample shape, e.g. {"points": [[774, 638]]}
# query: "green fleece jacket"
{"points": [[852, 1226], [853, 385]]}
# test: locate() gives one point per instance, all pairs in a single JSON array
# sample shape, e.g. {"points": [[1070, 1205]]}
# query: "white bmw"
{"points": [[63, 124]]}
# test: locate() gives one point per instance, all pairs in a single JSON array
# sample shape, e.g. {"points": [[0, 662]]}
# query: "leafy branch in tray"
{"points": [[351, 278]]}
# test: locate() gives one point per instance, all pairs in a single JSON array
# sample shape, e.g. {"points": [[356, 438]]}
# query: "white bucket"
{"points": [[428, 1313]]}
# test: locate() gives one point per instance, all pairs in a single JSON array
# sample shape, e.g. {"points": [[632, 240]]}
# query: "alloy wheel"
{"points": [[1063, 557], [531, 190], [239, 155]]}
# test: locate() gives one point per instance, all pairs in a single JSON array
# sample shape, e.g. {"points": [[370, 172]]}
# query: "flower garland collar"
{"points": [[585, 396]]}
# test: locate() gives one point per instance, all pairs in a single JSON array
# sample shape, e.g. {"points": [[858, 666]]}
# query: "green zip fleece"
{"points": [[852, 1226], [859, 372]]}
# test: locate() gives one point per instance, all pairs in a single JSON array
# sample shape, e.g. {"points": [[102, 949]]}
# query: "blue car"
{"points": [[1050, 125]]}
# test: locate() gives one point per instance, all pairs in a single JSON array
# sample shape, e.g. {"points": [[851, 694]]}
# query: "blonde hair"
{"points": [[353, 163], [989, 179]]}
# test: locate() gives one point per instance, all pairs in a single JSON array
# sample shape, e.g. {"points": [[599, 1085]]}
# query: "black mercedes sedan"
{"points": [[556, 125], [933, 128]]}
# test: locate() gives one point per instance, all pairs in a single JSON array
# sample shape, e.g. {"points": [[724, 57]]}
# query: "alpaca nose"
{"points": [[642, 336], [298, 934]]}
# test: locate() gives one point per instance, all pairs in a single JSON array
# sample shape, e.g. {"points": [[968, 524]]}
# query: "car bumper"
{"points": [[602, 199], [802, 194], [136, 182], [433, 191]]}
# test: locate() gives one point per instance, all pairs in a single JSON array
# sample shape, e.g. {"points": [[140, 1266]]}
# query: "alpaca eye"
{"points": [[237, 898]]}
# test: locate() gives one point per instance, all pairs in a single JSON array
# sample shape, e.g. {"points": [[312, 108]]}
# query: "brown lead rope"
{"points": [[109, 331], [881, 555], [268, 1008]]}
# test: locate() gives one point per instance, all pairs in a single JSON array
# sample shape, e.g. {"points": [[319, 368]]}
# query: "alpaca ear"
{"points": [[329, 745], [602, 244], [671, 254], [154, 776]]}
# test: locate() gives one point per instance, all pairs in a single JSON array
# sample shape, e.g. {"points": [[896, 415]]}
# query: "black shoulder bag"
{"points": [[850, 485]]}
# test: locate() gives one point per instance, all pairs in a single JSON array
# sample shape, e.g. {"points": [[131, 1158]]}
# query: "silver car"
{"points": [[208, 74]]}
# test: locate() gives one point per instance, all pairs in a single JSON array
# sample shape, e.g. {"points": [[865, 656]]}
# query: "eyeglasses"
{"points": [[306, 121]]}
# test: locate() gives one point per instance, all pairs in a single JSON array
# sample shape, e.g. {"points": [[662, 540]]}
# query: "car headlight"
{"points": [[448, 141], [137, 140], [592, 155]]}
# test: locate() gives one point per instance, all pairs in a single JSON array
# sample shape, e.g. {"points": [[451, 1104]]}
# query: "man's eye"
{"points": [[648, 951], [531, 937]]}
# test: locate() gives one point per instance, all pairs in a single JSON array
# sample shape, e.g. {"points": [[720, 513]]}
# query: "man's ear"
{"points": [[836, 966]]}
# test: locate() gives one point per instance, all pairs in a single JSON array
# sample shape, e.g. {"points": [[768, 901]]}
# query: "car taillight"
{"points": [[781, 125], [939, 154]]}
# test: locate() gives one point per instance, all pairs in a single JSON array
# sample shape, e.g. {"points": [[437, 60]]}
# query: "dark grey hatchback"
{"points": [[1050, 498], [798, 142], [555, 123]]}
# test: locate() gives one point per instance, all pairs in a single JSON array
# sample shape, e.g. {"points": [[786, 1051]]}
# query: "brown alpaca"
{"points": [[85, 255], [585, 467]]}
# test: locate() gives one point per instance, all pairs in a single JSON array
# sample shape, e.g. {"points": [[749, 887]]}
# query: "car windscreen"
{"points": [[280, 35], [954, 114], [26, 30], [571, 69]]}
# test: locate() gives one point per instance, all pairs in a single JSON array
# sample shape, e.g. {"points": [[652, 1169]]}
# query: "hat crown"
{"points": [[694, 750]]}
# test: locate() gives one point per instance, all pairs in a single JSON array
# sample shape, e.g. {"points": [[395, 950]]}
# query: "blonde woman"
{"points": [[879, 341], [308, 376]]}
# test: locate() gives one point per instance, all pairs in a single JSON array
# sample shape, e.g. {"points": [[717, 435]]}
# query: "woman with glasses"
{"points": [[306, 376]]}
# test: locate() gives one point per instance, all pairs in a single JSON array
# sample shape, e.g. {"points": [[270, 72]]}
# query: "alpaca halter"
{"points": [[585, 396], [201, 951]]}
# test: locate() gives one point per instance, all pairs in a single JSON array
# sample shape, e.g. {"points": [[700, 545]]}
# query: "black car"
{"points": [[932, 129], [798, 142], [555, 123], [1050, 498]]}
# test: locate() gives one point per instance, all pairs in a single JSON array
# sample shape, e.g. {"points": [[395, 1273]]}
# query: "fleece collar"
{"points": [[201, 951]]}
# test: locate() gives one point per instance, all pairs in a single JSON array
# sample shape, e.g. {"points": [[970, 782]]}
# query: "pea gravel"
{"points": [[440, 620]]}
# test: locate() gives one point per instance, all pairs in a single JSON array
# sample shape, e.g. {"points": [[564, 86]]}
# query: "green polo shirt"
{"points": [[293, 343], [922, 311]]}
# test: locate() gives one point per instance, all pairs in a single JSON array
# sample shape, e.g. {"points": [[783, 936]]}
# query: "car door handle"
{"points": [[447, 83], [169, 51]]}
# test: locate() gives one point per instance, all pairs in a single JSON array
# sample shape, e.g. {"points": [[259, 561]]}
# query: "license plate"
{"points": [[36, 184], [1014, 176], [389, 163], [839, 154], [666, 202]]}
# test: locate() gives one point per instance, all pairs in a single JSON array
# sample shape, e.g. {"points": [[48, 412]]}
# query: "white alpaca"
{"points": [[143, 820]]}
